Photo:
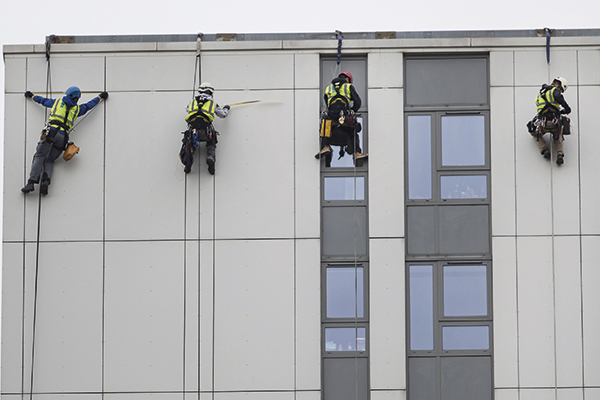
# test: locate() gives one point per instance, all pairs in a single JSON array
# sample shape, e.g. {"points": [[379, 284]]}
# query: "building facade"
{"points": [[456, 263]]}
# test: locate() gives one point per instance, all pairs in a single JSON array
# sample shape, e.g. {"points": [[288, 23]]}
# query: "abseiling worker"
{"points": [[55, 137]]}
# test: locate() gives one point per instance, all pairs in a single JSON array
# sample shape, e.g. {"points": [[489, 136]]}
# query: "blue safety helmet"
{"points": [[73, 93]]}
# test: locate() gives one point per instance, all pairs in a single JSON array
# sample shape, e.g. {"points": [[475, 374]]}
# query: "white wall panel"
{"points": [[192, 313], [502, 143], [16, 167], [206, 268], [68, 346], [501, 68], [570, 394], [306, 167], [387, 326], [533, 172], [536, 394], [251, 71], [306, 70], [386, 163], [255, 396], [83, 71], [388, 395], [149, 72], [385, 70], [588, 67], [591, 311], [12, 317], [506, 394], [536, 314], [315, 395], [531, 68], [254, 182], [254, 315], [308, 314], [568, 311], [144, 316], [15, 67], [589, 165], [144, 198], [505, 316]]}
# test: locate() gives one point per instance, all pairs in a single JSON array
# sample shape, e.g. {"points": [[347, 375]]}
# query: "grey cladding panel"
{"points": [[422, 378], [421, 230], [464, 229], [466, 378], [344, 231], [345, 378], [461, 81]]}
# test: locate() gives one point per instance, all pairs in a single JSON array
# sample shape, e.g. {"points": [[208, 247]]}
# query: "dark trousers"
{"points": [[46, 153]]}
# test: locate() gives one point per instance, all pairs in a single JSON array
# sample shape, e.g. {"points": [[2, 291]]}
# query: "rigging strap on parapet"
{"points": [[339, 37], [547, 31]]}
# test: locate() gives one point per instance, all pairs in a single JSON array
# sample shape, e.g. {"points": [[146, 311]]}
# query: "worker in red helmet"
{"points": [[339, 126]]}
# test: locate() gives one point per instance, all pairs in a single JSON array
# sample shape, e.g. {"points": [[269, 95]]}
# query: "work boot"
{"points": [[546, 154], [324, 152], [44, 188], [211, 166], [30, 187], [360, 156], [187, 169], [560, 158]]}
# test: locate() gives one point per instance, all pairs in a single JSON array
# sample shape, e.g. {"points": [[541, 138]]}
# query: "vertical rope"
{"points": [[339, 37]]}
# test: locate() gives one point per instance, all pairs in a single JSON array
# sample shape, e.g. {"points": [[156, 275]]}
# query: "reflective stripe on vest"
{"points": [[59, 119], [546, 98], [207, 110], [344, 93]]}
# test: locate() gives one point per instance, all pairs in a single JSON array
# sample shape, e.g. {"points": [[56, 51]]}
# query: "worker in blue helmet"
{"points": [[55, 136]]}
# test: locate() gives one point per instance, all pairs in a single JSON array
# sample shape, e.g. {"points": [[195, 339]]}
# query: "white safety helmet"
{"points": [[563, 83], [206, 87]]}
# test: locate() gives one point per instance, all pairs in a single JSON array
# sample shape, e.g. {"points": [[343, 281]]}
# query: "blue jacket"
{"points": [[83, 108]]}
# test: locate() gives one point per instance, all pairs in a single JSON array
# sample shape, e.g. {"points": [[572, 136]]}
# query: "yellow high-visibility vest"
{"points": [[207, 110], [546, 98], [59, 119], [344, 93]]}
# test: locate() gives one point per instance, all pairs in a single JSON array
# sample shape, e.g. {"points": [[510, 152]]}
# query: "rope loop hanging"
{"points": [[339, 37]]}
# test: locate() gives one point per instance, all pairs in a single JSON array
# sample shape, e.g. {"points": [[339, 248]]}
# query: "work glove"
{"points": [[28, 94], [226, 107], [104, 95], [566, 110]]}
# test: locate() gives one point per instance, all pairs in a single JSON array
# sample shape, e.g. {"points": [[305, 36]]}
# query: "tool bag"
{"points": [[70, 151]]}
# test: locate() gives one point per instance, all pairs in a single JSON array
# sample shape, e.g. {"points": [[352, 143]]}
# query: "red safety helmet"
{"points": [[347, 75]]}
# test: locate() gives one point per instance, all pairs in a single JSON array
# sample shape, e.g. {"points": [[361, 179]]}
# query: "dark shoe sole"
{"points": [[211, 166]]}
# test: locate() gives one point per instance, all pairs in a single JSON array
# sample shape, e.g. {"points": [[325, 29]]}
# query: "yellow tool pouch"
{"points": [[325, 128], [70, 151]]}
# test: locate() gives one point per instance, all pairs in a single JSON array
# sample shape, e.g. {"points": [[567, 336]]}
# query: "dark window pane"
{"points": [[463, 140], [422, 378], [345, 339], [345, 378], [464, 229], [344, 231], [466, 337], [419, 157], [420, 235], [345, 297], [344, 188], [463, 186], [421, 307], [465, 290], [466, 378], [446, 82]]}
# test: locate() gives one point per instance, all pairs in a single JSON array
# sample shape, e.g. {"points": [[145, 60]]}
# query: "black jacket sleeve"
{"points": [[355, 98], [560, 99]]}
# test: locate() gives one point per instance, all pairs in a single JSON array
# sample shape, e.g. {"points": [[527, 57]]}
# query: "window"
{"points": [[448, 241]]}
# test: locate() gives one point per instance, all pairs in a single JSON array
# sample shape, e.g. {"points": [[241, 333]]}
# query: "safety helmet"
{"points": [[73, 93], [347, 75], [206, 87], [563, 83]]}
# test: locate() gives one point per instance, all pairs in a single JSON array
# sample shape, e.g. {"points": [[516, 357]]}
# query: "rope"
{"points": [[339, 37], [39, 220], [547, 31]]}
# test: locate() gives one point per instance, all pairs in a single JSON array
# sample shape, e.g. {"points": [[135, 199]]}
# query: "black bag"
{"points": [[566, 125]]}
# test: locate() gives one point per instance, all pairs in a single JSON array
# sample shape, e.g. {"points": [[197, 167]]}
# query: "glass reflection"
{"points": [[466, 337], [463, 140], [421, 307], [463, 187], [465, 290], [344, 188], [419, 157], [345, 339], [345, 292]]}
